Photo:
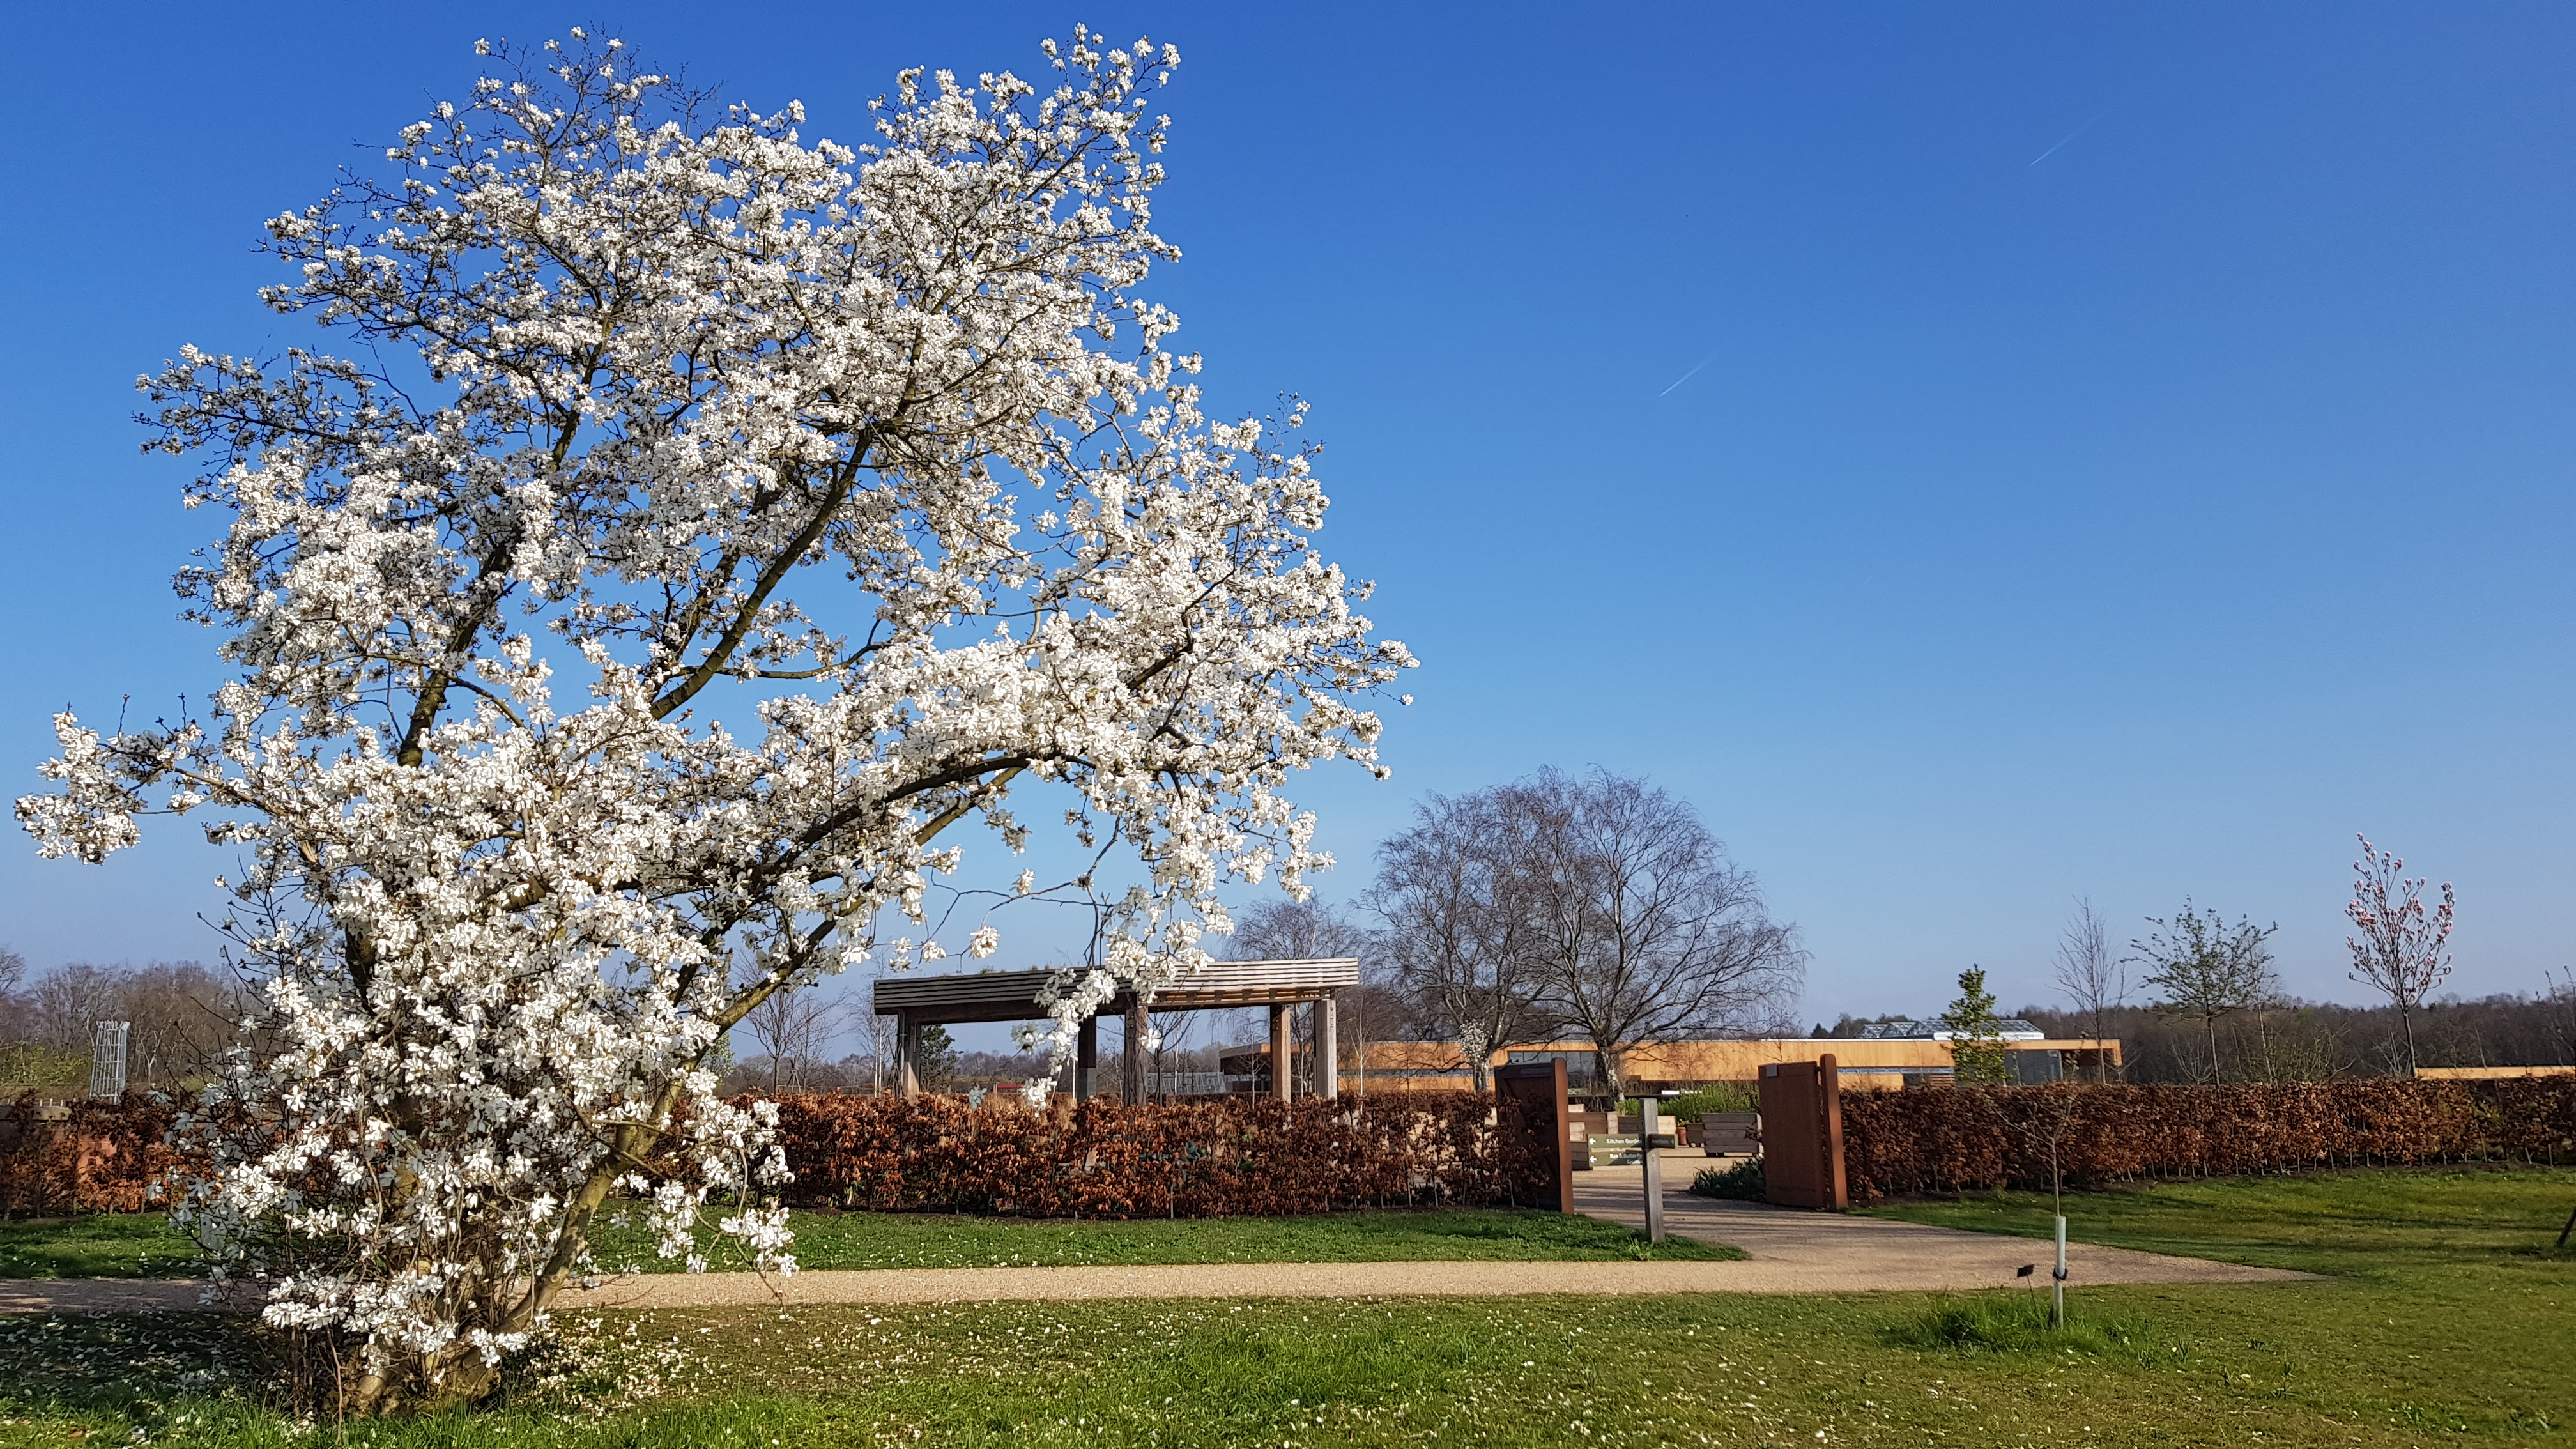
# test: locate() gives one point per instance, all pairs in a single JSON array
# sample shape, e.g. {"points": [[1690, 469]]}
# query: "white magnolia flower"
{"points": [[759, 511]]}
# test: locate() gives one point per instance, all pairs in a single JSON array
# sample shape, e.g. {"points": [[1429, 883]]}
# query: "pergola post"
{"points": [[907, 1049], [1328, 1048], [1086, 1059], [1131, 1077], [1283, 1078]]}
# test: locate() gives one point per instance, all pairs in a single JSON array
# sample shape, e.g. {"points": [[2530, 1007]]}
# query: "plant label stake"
{"points": [[2057, 1289]]}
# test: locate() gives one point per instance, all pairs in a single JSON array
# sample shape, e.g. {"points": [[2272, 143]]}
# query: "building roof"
{"points": [[1013, 995], [2010, 1028]]}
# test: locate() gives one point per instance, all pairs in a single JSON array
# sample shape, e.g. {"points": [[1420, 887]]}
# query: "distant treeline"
{"points": [[2314, 1041], [181, 1012]]}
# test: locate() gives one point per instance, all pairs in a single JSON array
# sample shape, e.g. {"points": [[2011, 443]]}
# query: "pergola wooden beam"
{"points": [[917, 1001]]}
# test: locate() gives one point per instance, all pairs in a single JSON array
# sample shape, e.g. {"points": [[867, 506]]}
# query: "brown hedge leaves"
{"points": [[84, 1156], [1897, 1143], [1253, 1158], [936, 1154]]}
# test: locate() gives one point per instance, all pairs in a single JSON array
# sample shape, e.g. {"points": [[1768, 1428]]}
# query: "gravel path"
{"points": [[1790, 1252]]}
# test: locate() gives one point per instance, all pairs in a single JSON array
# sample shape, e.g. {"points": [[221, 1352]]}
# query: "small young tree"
{"points": [[2403, 949], [2203, 969], [1976, 1034], [937, 1061], [701, 524], [2091, 976]]}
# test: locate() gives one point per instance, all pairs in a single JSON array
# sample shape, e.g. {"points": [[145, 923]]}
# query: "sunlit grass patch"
{"points": [[2017, 1323], [104, 1245]]}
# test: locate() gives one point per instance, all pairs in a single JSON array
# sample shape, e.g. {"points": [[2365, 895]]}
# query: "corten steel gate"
{"points": [[1802, 1134], [1539, 1087]]}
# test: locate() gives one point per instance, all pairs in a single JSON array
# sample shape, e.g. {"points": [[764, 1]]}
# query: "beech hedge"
{"points": [[1228, 1158], [1259, 1157], [84, 1156], [1215, 1158], [1975, 1138]]}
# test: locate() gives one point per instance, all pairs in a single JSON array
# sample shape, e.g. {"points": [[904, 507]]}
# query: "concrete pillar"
{"points": [[1328, 1049], [1131, 1081], [1086, 1059], [907, 1049], [1283, 1078]]}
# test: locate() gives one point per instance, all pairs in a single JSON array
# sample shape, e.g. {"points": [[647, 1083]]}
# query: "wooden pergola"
{"points": [[1282, 986]]}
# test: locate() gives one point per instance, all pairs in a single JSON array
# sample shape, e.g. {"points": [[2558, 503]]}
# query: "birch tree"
{"points": [[679, 532]]}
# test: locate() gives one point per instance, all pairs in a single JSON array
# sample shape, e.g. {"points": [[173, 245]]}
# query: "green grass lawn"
{"points": [[888, 1240], [2444, 1317], [117, 1245], [144, 1245]]}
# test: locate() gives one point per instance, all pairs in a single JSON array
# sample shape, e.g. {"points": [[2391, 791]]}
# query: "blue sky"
{"points": [[1981, 457]]}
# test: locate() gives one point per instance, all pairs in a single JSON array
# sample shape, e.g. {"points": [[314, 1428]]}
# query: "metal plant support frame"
{"points": [[107, 1059]]}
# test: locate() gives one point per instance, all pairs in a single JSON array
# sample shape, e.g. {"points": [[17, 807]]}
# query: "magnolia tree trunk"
{"points": [[706, 527]]}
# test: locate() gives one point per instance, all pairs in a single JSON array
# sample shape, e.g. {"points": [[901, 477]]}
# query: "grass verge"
{"points": [[144, 1245], [2451, 1321]]}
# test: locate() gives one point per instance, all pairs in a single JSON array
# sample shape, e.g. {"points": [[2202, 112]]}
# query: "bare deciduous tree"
{"points": [[1641, 930], [881, 1033], [1171, 1043], [2092, 977], [2559, 1006], [1454, 933], [182, 1015], [1294, 930], [68, 998], [2203, 969], [791, 1028], [2403, 949], [1307, 930]]}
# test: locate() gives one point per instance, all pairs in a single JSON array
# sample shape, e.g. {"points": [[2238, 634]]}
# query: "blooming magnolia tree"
{"points": [[2403, 949], [739, 517]]}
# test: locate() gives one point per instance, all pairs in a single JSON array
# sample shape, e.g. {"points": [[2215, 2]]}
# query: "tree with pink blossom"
{"points": [[2403, 949]]}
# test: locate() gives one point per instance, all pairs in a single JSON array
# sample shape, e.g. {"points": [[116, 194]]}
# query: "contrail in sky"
{"points": [[2071, 135], [1687, 376]]}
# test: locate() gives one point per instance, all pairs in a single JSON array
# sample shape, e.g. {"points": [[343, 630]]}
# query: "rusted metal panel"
{"points": [[1539, 1088], [1802, 1134]]}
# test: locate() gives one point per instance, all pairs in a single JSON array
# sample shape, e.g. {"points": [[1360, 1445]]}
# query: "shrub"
{"points": [[1741, 1181]]}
